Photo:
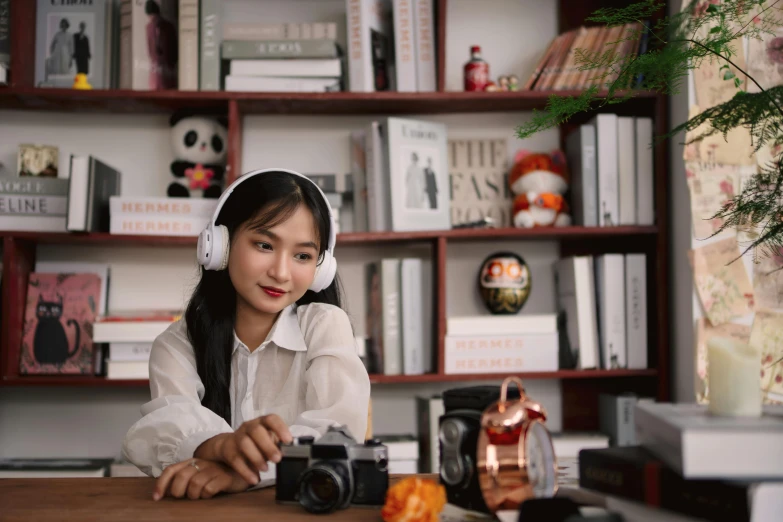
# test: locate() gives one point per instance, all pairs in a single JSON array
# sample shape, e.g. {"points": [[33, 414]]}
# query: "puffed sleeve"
{"points": [[338, 387], [173, 423]]}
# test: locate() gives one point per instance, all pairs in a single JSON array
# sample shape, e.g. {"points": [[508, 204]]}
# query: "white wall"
{"points": [[92, 421]]}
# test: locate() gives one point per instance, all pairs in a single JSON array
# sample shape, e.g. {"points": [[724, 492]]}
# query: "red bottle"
{"points": [[476, 71]]}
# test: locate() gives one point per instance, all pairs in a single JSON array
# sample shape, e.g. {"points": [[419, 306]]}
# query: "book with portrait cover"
{"points": [[73, 37], [418, 174], [58, 321]]}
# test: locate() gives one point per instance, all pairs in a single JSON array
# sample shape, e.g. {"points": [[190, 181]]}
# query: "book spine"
{"points": [[501, 353], [188, 45], [423, 22], [141, 64], [626, 169], [5, 30], [255, 49], [584, 288], [125, 65], [610, 297], [360, 70], [645, 213], [156, 225], [404, 45], [210, 37], [33, 205], [377, 200], [411, 311], [236, 31], [636, 310], [280, 84], [180, 207], [298, 67], [499, 325], [39, 223], [600, 471], [359, 174], [34, 186], [390, 293], [606, 169]]}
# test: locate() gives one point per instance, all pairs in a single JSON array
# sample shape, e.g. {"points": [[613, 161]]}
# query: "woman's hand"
{"points": [[197, 478], [248, 448]]}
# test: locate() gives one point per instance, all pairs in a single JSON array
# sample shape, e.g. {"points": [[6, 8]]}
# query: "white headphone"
{"points": [[213, 241]]}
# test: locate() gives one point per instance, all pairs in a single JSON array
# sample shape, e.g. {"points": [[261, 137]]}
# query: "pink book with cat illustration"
{"points": [[58, 319]]}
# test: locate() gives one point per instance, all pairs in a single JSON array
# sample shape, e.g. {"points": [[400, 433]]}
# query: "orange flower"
{"points": [[414, 500]]}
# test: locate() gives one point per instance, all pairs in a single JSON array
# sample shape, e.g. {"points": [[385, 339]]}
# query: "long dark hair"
{"points": [[264, 200]]}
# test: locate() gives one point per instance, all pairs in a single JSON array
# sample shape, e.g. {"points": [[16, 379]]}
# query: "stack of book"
{"points": [[151, 216], [690, 465], [129, 337], [33, 203], [279, 61]]}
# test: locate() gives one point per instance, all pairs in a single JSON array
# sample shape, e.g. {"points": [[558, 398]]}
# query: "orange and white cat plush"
{"points": [[539, 182]]}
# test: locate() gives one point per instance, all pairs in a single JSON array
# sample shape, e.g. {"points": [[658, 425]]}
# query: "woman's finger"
{"points": [[201, 479], [278, 426], [251, 452], [164, 480], [219, 483], [236, 460], [179, 484], [263, 440]]}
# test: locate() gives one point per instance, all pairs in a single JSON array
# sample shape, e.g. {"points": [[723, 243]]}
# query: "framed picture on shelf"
{"points": [[38, 160], [418, 174]]}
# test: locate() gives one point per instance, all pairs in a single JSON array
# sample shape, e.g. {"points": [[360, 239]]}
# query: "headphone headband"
{"points": [[226, 193]]}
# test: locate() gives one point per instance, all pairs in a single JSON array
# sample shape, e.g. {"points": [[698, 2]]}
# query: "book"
{"points": [[296, 67], [58, 318], [54, 468], [501, 324], [404, 45], [528, 352], [575, 286], [370, 36], [279, 49], [417, 167], [699, 445], [92, 183]]}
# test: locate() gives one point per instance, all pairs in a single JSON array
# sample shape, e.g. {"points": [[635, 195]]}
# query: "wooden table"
{"points": [[130, 499]]}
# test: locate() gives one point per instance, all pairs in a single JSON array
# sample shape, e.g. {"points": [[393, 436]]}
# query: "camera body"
{"points": [[332, 472]]}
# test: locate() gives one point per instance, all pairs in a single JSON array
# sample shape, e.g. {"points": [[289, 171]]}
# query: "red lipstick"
{"points": [[272, 291]]}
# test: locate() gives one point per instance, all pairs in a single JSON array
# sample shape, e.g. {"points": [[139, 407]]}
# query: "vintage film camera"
{"points": [[495, 449], [333, 472]]}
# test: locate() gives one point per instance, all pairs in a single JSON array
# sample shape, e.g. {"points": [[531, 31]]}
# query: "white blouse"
{"points": [[307, 371]]}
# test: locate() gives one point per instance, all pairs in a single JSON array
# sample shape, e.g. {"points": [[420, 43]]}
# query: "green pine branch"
{"points": [[704, 34]]}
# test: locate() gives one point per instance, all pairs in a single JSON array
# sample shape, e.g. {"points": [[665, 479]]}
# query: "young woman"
{"points": [[263, 353]]}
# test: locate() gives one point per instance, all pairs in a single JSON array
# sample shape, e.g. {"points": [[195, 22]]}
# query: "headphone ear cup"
{"points": [[324, 273], [213, 248], [220, 260]]}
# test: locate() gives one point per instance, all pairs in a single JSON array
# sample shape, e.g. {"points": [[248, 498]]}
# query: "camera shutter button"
{"points": [[373, 442]]}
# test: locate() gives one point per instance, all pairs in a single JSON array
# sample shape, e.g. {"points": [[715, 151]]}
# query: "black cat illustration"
{"points": [[50, 344]]}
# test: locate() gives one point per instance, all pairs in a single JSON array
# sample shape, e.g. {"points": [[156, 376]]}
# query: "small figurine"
{"points": [[503, 83], [491, 87], [539, 182], [80, 82], [513, 83], [504, 282]]}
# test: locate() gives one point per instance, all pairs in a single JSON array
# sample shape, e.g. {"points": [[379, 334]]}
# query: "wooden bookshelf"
{"points": [[91, 381], [580, 389]]}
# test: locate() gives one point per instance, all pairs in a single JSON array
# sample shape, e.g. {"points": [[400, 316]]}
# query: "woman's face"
{"points": [[273, 268]]}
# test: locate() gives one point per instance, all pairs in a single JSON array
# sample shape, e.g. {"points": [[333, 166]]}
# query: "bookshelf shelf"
{"points": [[89, 381], [563, 233], [128, 101]]}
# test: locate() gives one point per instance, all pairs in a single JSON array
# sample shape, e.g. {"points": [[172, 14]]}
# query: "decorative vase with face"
{"points": [[504, 283]]}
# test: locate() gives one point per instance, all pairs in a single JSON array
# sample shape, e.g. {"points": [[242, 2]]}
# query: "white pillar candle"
{"points": [[734, 378]]}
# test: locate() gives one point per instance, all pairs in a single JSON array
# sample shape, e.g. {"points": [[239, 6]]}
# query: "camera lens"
{"points": [[324, 488]]}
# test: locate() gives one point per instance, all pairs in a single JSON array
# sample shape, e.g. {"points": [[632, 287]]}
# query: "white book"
{"points": [[32, 223], [403, 467], [574, 281], [392, 338], [130, 351], [254, 31], [423, 21], [187, 61], [474, 354], [610, 297], [606, 169], [128, 331], [127, 369], [280, 84], [569, 444], [636, 310], [366, 19], [412, 315], [699, 445], [296, 67], [378, 201], [156, 225], [501, 324], [626, 169], [404, 45], [32, 205], [182, 207], [645, 186], [400, 447]]}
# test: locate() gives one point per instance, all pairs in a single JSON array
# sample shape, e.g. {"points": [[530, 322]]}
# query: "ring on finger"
{"points": [[193, 463]]}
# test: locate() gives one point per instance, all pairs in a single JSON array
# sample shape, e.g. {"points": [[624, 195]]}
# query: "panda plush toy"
{"points": [[199, 144]]}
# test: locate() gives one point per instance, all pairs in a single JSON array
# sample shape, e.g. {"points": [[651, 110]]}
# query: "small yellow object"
{"points": [[80, 82], [414, 499]]}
